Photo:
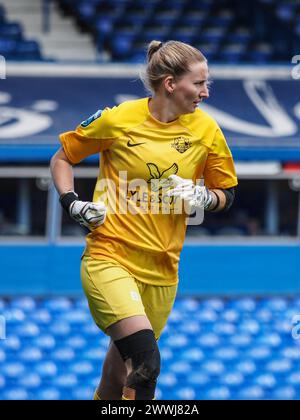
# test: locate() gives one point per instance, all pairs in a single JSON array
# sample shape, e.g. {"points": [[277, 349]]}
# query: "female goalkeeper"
{"points": [[152, 152]]}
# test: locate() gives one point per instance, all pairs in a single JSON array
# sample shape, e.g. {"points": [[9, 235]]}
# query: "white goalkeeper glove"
{"points": [[195, 195], [86, 213]]}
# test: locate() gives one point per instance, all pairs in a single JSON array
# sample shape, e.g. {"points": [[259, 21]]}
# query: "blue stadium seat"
{"points": [[270, 339], [30, 355], [76, 342], [11, 31], [294, 379], [48, 394], [217, 393], [185, 393], [280, 366], [8, 48], [65, 382], [192, 355], [121, 47], [198, 380], [15, 394], [57, 305], [246, 367], [2, 356], [230, 316], [262, 53], [213, 34], [13, 370], [286, 12], [208, 340], [45, 342], [83, 392], [2, 304], [82, 369], [214, 304], [2, 382], [213, 367], [28, 50], [41, 317], [254, 392], [180, 368], [226, 354], [59, 329], [206, 316], [240, 340], [166, 353], [31, 381], [95, 355], [259, 353], [266, 380], [233, 379], [167, 380], [233, 53], [285, 393], [27, 330], [12, 343], [225, 328], [26, 304], [46, 369], [63, 355]]}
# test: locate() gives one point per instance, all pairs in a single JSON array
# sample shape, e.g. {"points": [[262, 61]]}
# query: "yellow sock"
{"points": [[96, 396]]}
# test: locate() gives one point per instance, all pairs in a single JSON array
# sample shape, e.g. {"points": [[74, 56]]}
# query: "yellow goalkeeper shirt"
{"points": [[135, 146]]}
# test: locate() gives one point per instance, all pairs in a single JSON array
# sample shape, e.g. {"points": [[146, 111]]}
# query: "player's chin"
{"points": [[194, 106]]}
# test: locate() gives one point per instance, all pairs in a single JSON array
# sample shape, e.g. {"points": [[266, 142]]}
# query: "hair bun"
{"points": [[152, 48]]}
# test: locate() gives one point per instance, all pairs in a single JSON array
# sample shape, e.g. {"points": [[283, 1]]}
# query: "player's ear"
{"points": [[169, 83]]}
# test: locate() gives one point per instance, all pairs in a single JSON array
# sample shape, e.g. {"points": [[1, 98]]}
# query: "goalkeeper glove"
{"points": [[195, 195], [86, 213]]}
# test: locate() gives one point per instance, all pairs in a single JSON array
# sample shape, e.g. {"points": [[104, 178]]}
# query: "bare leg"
{"points": [[114, 372], [113, 375]]}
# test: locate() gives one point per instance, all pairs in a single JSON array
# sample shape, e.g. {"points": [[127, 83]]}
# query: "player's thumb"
{"points": [[98, 207], [175, 180]]}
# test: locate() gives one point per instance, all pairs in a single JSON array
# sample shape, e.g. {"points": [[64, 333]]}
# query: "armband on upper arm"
{"points": [[230, 195]]}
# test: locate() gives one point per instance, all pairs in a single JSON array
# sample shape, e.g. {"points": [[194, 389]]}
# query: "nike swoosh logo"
{"points": [[133, 144]]}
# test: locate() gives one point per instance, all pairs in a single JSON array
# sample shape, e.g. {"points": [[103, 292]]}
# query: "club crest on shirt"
{"points": [[181, 144], [92, 118]]}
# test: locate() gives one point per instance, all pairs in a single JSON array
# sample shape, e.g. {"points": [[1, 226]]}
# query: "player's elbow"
{"points": [[60, 155]]}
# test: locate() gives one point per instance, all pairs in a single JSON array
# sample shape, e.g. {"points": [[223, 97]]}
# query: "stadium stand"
{"points": [[237, 348], [224, 31], [13, 45]]}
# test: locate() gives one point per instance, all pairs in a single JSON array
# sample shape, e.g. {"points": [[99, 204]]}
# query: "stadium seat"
{"points": [[285, 393], [15, 394], [46, 369], [254, 392], [217, 393], [48, 394]]}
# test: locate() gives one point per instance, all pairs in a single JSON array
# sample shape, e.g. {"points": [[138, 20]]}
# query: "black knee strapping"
{"points": [[142, 349]]}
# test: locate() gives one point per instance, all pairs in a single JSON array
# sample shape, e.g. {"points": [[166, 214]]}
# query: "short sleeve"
{"points": [[219, 171], [92, 136]]}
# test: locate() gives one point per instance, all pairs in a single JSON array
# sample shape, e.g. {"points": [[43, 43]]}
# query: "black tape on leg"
{"points": [[141, 348]]}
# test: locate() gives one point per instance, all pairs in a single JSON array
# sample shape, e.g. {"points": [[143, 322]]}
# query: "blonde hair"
{"points": [[171, 57]]}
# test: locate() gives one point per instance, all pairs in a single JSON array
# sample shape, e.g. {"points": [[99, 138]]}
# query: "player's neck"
{"points": [[162, 109]]}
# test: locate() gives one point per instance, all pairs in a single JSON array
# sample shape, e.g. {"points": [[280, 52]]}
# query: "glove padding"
{"points": [[195, 195], [88, 214]]}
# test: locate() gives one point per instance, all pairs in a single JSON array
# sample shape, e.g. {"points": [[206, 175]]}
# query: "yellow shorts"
{"points": [[114, 294]]}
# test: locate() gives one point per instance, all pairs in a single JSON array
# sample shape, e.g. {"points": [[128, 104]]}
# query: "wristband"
{"points": [[67, 199], [217, 203]]}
